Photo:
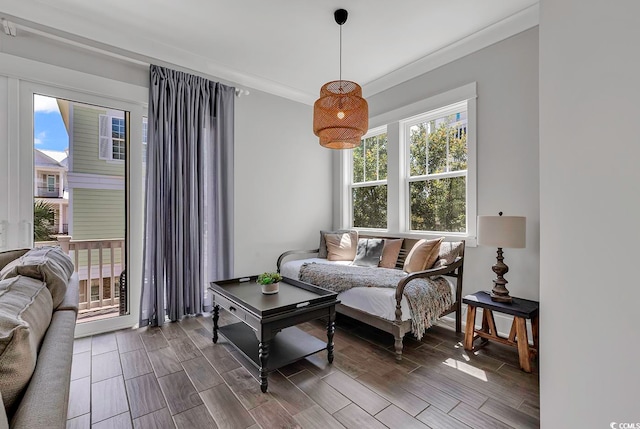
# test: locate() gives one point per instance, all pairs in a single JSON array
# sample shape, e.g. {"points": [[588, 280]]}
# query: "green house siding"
{"points": [[85, 144], [98, 214]]}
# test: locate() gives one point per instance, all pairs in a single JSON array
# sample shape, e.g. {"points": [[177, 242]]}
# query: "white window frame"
{"points": [[407, 178], [105, 141], [51, 187], [53, 81], [372, 133], [397, 197], [121, 141]]}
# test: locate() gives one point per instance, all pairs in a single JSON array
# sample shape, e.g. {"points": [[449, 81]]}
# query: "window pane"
{"points": [[118, 149], [358, 164], [417, 149], [370, 159], [438, 139], [438, 205], [145, 130], [117, 128], [382, 153], [370, 206], [439, 146], [458, 147], [375, 151]]}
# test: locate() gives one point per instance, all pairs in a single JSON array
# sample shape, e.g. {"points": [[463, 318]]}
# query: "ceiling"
{"points": [[285, 47]]}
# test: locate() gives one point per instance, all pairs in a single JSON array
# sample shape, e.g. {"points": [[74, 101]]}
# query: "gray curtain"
{"points": [[189, 200]]}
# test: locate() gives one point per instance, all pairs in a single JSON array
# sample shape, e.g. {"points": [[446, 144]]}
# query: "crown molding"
{"points": [[167, 56], [516, 23], [147, 53]]}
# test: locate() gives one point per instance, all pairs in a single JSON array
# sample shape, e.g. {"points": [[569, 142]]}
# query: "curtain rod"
{"points": [[104, 49]]}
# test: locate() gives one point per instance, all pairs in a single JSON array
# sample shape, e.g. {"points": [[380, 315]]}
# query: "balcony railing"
{"points": [[48, 192], [56, 228], [98, 264]]}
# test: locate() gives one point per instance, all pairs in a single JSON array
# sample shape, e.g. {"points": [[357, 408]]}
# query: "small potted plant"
{"points": [[270, 282]]}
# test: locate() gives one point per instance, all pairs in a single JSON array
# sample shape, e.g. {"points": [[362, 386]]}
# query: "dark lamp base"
{"points": [[500, 298], [499, 293]]}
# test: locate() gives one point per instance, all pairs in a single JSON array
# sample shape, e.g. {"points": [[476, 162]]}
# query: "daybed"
{"points": [[383, 307], [38, 308]]}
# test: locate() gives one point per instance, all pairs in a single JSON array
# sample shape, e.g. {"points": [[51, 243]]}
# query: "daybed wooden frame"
{"points": [[398, 328]]}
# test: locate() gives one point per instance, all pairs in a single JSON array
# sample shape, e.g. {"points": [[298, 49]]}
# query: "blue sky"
{"points": [[49, 132]]}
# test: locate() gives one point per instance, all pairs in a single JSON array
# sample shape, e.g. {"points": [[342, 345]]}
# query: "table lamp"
{"points": [[501, 232]]}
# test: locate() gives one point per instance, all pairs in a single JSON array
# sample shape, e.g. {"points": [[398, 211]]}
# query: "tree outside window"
{"points": [[437, 168], [369, 182], [431, 189]]}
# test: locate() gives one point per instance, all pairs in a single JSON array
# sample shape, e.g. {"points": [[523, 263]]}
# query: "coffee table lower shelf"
{"points": [[288, 346]]}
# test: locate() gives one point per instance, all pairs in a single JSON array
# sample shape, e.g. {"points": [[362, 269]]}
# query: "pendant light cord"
{"points": [[340, 57]]}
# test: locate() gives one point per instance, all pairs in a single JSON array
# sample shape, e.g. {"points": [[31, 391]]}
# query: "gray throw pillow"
{"points": [[369, 252]]}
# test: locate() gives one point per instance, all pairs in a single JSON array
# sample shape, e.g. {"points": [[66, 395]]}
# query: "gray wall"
{"points": [[283, 181], [589, 211], [508, 172]]}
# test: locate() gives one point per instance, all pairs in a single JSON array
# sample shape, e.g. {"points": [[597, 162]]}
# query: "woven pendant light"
{"points": [[340, 115]]}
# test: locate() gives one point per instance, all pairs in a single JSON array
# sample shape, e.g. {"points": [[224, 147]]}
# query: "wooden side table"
{"points": [[520, 309]]}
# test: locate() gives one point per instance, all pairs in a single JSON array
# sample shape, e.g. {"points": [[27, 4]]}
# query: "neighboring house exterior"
{"points": [[96, 189], [51, 185], [96, 171]]}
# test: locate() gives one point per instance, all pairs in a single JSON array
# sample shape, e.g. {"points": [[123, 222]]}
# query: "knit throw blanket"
{"points": [[428, 298]]}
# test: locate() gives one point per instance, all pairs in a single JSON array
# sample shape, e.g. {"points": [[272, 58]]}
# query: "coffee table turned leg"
{"points": [[216, 316], [331, 328], [264, 357]]}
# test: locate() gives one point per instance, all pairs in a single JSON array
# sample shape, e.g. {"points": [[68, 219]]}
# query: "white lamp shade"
{"points": [[502, 231]]}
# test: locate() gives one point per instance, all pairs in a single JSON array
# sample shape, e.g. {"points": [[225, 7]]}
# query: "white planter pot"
{"points": [[271, 288]]}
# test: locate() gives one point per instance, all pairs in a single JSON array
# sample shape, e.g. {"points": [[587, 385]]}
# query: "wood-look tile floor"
{"points": [[174, 376]]}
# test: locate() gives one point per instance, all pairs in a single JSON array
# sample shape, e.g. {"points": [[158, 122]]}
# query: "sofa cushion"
{"points": [[70, 301], [341, 247], [322, 252], [49, 264], [25, 314], [422, 255], [369, 252], [449, 251], [4, 423], [390, 253], [45, 402], [10, 255]]}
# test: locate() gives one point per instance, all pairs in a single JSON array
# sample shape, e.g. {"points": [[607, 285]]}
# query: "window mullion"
{"points": [[447, 154], [426, 148], [370, 183], [378, 158], [436, 176], [364, 159]]}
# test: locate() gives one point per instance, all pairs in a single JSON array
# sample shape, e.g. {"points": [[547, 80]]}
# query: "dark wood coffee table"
{"points": [[266, 333]]}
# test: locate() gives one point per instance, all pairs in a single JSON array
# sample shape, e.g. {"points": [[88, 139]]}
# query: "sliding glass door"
{"points": [[85, 155]]}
